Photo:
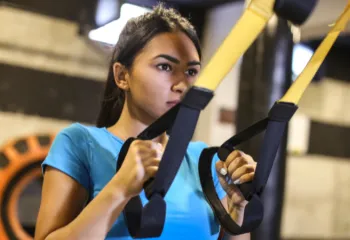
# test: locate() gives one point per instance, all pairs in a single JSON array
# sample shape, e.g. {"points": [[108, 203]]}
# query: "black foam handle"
{"points": [[296, 11], [148, 187], [123, 151], [245, 188]]}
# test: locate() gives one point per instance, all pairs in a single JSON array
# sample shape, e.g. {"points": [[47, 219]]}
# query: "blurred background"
{"points": [[53, 64]]}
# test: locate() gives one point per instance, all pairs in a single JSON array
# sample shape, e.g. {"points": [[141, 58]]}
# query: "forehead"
{"points": [[177, 44]]}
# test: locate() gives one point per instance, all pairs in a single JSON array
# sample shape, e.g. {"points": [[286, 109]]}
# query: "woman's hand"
{"points": [[140, 164], [238, 168]]}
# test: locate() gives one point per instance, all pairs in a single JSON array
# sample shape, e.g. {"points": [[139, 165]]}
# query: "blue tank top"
{"points": [[89, 154]]}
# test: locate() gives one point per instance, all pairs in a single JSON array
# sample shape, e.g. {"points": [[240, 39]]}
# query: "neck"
{"points": [[130, 124]]}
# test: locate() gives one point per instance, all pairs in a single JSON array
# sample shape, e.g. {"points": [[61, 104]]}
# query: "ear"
{"points": [[121, 76]]}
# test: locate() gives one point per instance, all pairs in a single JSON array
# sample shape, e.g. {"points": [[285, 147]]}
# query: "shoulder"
{"points": [[69, 153], [80, 133], [74, 131], [72, 138], [89, 138]]}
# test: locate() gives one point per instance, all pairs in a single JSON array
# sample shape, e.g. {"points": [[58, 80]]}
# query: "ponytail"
{"points": [[113, 102]]}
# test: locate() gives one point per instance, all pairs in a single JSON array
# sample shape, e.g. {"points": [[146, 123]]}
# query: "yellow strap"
{"points": [[236, 43], [295, 92]]}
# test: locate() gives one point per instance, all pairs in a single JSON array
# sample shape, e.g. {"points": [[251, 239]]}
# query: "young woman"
{"points": [[155, 61]]}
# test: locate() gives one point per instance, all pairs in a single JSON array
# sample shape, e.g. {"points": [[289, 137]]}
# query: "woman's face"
{"points": [[161, 74]]}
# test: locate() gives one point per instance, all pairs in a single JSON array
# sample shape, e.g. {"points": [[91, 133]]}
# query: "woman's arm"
{"points": [[62, 214], [238, 217]]}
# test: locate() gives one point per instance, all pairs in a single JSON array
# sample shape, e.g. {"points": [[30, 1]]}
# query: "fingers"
{"points": [[146, 144], [151, 165], [150, 154], [245, 178], [232, 156], [151, 171], [239, 166], [223, 168], [234, 160], [236, 154], [243, 174], [148, 149], [151, 162], [145, 153], [220, 168], [236, 164]]}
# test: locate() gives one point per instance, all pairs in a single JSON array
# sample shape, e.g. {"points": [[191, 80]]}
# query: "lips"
{"points": [[173, 103]]}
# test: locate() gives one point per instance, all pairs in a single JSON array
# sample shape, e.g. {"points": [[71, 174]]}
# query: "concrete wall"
{"points": [[45, 44], [318, 186], [36, 41]]}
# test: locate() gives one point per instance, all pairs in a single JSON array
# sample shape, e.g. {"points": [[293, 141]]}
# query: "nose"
{"points": [[181, 82], [180, 87]]}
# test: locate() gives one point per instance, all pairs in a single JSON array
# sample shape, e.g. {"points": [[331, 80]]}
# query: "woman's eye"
{"points": [[164, 67], [192, 72]]}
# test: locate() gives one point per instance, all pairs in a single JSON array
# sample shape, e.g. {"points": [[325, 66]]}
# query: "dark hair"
{"points": [[135, 35]]}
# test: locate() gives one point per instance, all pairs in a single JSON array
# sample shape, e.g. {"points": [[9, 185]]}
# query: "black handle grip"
{"points": [[148, 187], [123, 151]]}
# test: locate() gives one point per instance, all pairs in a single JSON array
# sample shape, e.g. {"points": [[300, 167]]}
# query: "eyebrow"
{"points": [[175, 60]]}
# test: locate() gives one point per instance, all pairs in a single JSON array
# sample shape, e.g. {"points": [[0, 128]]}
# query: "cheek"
{"points": [[153, 87], [152, 98], [156, 81]]}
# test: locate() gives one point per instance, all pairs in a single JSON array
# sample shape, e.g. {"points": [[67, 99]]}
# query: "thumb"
{"points": [[220, 168]]}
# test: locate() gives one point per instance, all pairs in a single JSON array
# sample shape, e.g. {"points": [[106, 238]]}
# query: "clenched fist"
{"points": [[238, 168], [140, 164]]}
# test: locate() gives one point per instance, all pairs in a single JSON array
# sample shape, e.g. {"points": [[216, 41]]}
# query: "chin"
{"points": [[154, 115]]}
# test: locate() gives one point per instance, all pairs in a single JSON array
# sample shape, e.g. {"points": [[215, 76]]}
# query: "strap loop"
{"points": [[250, 190]]}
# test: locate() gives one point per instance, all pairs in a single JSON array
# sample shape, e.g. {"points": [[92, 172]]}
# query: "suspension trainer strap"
{"points": [[148, 221], [275, 125]]}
